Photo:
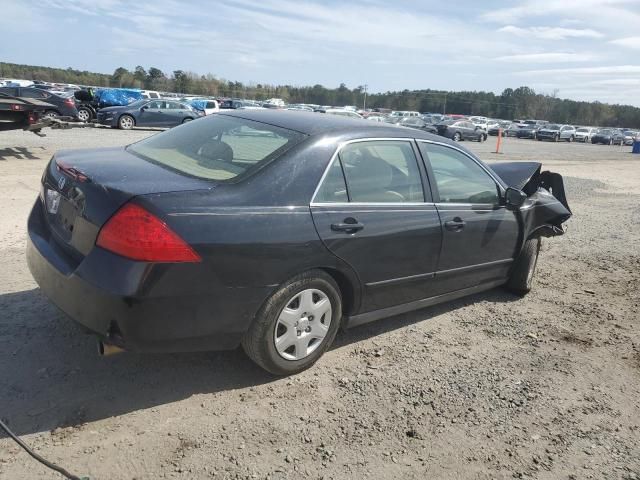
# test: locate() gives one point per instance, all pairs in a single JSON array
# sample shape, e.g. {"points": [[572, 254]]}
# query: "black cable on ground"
{"points": [[43, 461]]}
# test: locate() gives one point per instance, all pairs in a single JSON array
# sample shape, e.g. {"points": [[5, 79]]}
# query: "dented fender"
{"points": [[546, 208]]}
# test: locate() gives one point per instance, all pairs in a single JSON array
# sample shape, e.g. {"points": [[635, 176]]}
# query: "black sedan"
{"points": [[458, 130], [58, 106], [272, 229], [418, 123], [528, 131], [608, 136], [148, 113]]}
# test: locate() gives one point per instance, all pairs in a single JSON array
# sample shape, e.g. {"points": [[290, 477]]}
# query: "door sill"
{"points": [[362, 318]]}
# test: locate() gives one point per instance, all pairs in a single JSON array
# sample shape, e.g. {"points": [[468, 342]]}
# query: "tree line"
{"points": [[519, 103]]}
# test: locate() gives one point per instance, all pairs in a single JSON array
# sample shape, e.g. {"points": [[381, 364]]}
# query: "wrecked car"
{"points": [[271, 230]]}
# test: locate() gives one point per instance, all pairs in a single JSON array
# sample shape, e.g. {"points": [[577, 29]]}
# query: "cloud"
{"points": [[548, 57], [629, 42], [589, 71], [551, 33]]}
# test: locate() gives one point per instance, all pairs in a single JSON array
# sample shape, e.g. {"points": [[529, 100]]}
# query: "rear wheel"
{"points": [[521, 278], [611, 141], [51, 114], [457, 137], [188, 119], [126, 122], [296, 325], [556, 138], [571, 139], [84, 115]]}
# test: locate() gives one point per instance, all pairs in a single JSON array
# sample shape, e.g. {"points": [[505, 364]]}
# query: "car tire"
{"points": [[84, 115], [126, 122], [187, 120], [521, 278], [51, 114], [259, 342], [556, 138], [610, 141], [456, 137], [570, 139]]}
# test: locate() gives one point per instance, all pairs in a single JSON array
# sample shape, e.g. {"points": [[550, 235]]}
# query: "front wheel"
{"points": [[296, 325], [126, 122], [188, 119], [571, 139], [521, 278]]}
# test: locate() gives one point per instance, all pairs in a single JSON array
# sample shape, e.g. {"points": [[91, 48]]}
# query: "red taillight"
{"points": [[16, 107], [33, 118], [135, 233], [69, 101]]}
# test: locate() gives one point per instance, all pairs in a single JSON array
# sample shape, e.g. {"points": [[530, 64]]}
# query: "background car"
{"points": [[584, 134], [629, 136], [417, 122], [343, 113], [557, 132], [148, 113], [458, 130], [528, 130], [608, 136], [61, 106], [503, 125]]}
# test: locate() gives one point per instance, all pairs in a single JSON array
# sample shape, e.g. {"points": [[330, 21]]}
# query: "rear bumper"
{"points": [[139, 306]]}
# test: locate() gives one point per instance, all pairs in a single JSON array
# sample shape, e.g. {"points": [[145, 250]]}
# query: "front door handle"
{"points": [[350, 225], [455, 225]]}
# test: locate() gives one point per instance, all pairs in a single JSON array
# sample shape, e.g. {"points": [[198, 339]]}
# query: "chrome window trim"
{"points": [[340, 146]]}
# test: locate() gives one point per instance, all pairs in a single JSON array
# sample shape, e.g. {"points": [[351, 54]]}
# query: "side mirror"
{"points": [[514, 198]]}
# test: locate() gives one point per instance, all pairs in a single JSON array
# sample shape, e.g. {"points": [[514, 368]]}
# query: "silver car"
{"points": [[584, 134], [557, 132]]}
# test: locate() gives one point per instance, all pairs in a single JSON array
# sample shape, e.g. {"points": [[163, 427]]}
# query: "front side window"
{"points": [[217, 147], [155, 105], [459, 179], [384, 171]]}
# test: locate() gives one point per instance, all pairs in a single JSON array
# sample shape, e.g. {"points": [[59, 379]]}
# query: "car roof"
{"points": [[313, 123]]}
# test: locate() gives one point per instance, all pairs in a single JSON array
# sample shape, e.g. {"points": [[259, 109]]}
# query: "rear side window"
{"points": [[217, 147], [459, 179], [373, 172]]}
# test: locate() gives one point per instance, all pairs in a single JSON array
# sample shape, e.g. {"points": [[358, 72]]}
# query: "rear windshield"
{"points": [[217, 147]]}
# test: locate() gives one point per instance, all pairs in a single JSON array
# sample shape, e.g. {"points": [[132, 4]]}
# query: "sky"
{"points": [[578, 49]]}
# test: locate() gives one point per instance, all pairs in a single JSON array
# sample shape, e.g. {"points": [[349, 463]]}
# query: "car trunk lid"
{"points": [[82, 189]]}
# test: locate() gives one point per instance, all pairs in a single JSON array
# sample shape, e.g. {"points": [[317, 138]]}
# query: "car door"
{"points": [[151, 114], [173, 114], [469, 131], [373, 210], [480, 235]]}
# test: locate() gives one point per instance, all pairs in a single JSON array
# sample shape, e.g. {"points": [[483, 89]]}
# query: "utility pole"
{"points": [[364, 103], [444, 107]]}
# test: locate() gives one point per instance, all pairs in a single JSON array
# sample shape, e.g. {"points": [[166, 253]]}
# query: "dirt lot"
{"points": [[488, 387]]}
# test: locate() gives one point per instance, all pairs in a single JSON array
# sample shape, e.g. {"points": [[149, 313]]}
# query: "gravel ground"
{"points": [[487, 387]]}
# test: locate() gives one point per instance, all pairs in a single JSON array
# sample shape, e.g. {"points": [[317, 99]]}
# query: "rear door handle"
{"points": [[347, 227], [455, 225]]}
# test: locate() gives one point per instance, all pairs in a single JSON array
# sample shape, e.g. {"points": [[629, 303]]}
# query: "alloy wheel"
{"points": [[302, 324]]}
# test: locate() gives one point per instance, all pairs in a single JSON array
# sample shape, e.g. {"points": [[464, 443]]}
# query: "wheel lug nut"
{"points": [[308, 329], [299, 332]]}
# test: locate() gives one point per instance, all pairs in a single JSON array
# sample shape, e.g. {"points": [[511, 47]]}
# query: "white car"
{"points": [[404, 113], [584, 134], [211, 107], [481, 122], [149, 94], [342, 112]]}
